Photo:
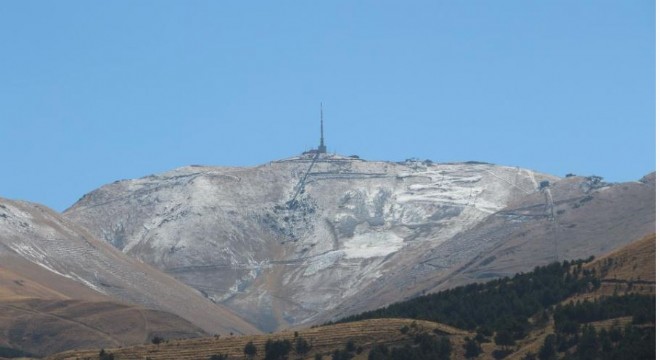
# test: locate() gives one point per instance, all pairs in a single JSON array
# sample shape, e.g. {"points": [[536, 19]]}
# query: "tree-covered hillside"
{"points": [[507, 310], [499, 305]]}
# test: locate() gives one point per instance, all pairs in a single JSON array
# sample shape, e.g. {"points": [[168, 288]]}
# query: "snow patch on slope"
{"points": [[372, 244], [35, 255]]}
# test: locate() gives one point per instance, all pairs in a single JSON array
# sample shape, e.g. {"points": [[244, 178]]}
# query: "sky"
{"points": [[96, 91]]}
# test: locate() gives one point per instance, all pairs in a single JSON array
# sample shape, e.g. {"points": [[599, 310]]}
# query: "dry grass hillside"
{"points": [[47, 326], [42, 312], [631, 268], [324, 340], [21, 279], [62, 289]]}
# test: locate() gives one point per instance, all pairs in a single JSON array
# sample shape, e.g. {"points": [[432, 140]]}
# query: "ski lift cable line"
{"points": [[301, 183]]}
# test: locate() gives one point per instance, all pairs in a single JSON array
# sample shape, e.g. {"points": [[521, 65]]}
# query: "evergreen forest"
{"points": [[508, 309]]}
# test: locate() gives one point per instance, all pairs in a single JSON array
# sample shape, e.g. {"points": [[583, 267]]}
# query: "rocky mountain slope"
{"points": [[60, 287], [307, 240], [288, 241], [585, 217]]}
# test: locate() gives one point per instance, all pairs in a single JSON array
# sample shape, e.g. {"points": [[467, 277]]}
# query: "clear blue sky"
{"points": [[96, 91]]}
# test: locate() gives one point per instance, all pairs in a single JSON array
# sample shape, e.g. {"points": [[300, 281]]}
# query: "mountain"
{"points": [[61, 288], [313, 238]]}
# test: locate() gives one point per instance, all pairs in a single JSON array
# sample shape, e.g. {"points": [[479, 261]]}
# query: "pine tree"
{"points": [[250, 350], [472, 349], [548, 351]]}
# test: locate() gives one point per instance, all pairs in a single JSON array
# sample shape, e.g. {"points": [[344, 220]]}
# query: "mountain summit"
{"points": [[295, 240]]}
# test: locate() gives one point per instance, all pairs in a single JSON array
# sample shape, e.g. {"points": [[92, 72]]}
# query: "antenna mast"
{"points": [[322, 148]]}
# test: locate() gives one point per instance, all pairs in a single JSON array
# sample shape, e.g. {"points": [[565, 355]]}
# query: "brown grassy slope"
{"points": [[634, 262], [40, 235], [629, 269], [43, 313], [324, 340], [47, 326], [21, 279]]}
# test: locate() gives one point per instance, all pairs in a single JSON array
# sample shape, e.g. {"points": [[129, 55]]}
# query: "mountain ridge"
{"points": [[309, 239], [285, 232]]}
